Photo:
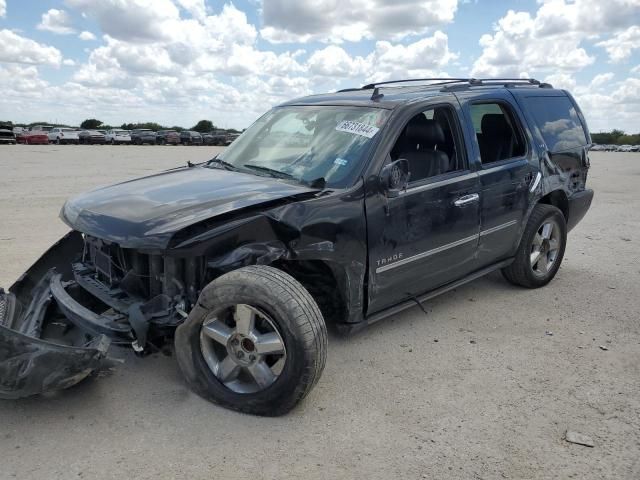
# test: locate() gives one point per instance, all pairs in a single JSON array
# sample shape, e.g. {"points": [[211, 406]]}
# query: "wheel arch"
{"points": [[559, 199], [325, 281]]}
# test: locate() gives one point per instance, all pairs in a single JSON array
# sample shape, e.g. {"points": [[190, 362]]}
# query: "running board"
{"points": [[376, 317]]}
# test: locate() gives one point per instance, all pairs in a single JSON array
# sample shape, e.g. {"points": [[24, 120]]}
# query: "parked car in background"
{"points": [[21, 135], [33, 137], [207, 138], [7, 135], [167, 137], [231, 137], [90, 137], [141, 136], [60, 135], [215, 137], [117, 137], [624, 148], [41, 128], [189, 137]]}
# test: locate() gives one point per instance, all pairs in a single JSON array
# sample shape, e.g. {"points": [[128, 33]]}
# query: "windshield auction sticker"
{"points": [[357, 128]]}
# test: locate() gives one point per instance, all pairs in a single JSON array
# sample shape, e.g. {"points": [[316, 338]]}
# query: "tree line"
{"points": [[615, 137], [94, 124]]}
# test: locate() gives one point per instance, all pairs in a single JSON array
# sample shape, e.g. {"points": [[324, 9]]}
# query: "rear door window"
{"points": [[558, 121], [498, 133]]}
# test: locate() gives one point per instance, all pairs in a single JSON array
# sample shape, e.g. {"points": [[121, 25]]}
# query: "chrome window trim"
{"points": [[464, 175]]}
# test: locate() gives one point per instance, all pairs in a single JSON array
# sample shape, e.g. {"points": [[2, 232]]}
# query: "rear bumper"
{"points": [[579, 204]]}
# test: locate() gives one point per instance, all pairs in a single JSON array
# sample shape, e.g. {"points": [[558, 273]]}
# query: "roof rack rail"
{"points": [[469, 82], [371, 86], [505, 82]]}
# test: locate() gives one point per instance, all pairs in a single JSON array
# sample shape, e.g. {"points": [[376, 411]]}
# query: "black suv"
{"points": [[167, 137], [215, 137], [188, 137], [140, 136], [344, 208]]}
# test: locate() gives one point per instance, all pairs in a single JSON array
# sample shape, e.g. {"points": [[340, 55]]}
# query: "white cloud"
{"points": [[561, 80], [67, 62], [3, 8], [18, 49], [552, 38], [352, 20], [56, 21], [22, 80], [131, 20], [518, 45], [620, 46], [601, 80], [86, 36], [424, 58], [336, 62], [617, 106]]}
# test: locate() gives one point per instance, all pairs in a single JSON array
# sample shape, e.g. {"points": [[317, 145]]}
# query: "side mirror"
{"points": [[395, 177]]}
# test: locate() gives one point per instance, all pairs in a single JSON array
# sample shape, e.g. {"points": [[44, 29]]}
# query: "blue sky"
{"points": [[177, 61]]}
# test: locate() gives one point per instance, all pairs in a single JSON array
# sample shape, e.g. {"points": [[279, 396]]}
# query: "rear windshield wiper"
{"points": [[221, 163], [270, 171]]}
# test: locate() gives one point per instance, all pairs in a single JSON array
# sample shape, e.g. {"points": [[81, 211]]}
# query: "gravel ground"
{"points": [[473, 389]]}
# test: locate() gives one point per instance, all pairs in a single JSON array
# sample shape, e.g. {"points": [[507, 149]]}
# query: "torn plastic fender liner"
{"points": [[29, 366]]}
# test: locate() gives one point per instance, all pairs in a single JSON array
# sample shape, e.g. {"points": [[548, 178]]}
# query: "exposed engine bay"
{"points": [[82, 296]]}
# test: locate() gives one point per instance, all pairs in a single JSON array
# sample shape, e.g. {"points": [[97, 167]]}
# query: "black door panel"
{"points": [[504, 203], [422, 240]]}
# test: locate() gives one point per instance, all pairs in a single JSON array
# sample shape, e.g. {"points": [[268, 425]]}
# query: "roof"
{"points": [[389, 95]]}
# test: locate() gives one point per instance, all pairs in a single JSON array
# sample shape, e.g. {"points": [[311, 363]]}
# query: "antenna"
{"points": [[376, 95]]}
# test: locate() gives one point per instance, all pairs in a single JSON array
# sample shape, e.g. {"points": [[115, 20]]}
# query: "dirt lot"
{"points": [[473, 389]]}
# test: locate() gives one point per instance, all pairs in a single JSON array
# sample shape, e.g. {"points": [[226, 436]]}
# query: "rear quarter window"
{"points": [[558, 121]]}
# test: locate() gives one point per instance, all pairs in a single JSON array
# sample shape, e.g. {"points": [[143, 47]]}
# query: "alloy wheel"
{"points": [[545, 247], [243, 348]]}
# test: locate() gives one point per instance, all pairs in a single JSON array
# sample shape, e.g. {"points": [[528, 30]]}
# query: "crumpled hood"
{"points": [[146, 212]]}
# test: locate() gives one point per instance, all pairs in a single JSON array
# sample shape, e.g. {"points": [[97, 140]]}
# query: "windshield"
{"points": [[309, 144]]}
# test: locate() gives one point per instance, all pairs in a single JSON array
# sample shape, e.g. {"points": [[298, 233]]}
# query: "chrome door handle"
{"points": [[466, 200]]}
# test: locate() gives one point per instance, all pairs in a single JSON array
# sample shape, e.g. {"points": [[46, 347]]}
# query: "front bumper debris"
{"points": [[42, 349], [31, 366]]}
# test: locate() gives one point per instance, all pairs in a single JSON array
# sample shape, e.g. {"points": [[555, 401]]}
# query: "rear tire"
{"points": [[541, 248], [276, 302]]}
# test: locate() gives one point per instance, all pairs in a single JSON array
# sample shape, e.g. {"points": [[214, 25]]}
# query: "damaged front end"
{"points": [[83, 295], [42, 350]]}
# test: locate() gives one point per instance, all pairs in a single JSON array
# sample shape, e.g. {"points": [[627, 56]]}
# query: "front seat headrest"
{"points": [[494, 124], [424, 132]]}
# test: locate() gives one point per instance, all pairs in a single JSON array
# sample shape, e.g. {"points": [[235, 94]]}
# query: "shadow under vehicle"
{"points": [[343, 208]]}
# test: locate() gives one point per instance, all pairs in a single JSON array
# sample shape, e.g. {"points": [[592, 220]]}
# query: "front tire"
{"points": [[255, 342], [541, 248]]}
